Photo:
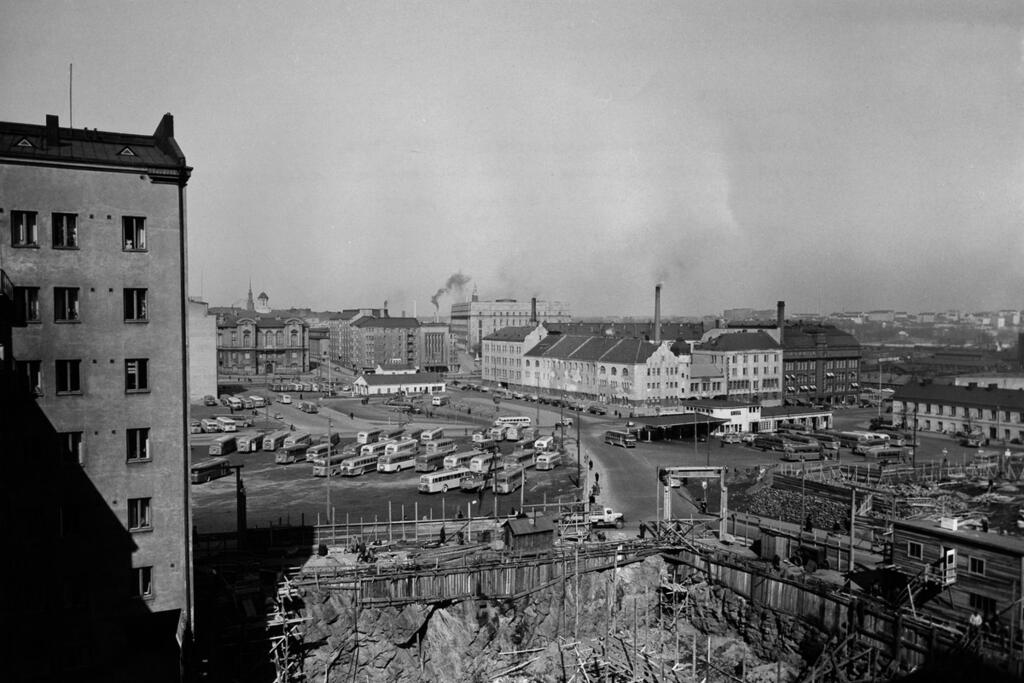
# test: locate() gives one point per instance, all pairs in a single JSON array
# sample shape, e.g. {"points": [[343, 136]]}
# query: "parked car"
{"points": [[597, 410], [731, 437]]}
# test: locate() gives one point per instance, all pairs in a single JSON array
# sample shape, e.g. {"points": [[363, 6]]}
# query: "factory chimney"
{"points": [[781, 319], [657, 313], [533, 310]]}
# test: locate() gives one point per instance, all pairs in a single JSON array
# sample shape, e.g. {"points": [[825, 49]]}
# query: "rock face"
{"points": [[597, 619]]}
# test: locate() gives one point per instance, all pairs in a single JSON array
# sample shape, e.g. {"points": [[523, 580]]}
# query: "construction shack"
{"points": [[528, 534]]}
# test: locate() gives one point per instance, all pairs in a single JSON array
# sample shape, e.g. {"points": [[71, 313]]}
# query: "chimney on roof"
{"points": [[52, 130], [533, 310], [657, 313], [780, 318]]}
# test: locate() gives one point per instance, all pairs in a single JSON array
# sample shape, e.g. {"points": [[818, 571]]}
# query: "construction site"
{"points": [[797, 572]]}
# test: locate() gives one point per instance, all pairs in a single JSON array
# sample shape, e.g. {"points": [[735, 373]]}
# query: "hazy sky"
{"points": [[838, 155]]}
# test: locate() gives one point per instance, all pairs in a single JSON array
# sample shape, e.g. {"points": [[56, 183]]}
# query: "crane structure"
{"points": [[675, 477]]}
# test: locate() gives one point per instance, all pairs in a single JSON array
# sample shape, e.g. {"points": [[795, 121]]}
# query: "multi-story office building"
{"points": [[473, 320], [822, 364], [435, 348], [383, 341], [95, 440]]}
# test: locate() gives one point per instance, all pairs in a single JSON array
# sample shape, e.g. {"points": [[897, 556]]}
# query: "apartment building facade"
{"points": [[502, 353], [751, 361], [93, 243], [380, 341], [473, 320], [988, 411]]}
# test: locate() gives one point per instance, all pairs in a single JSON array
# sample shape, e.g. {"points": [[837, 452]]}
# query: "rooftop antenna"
{"points": [[71, 95]]}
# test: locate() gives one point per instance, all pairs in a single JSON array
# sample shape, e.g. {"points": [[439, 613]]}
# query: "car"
{"points": [[209, 400], [597, 410], [278, 416], [731, 437], [533, 398], [567, 421], [970, 443], [518, 395]]}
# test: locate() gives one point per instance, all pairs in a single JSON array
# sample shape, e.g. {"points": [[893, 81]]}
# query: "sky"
{"points": [[835, 155]]}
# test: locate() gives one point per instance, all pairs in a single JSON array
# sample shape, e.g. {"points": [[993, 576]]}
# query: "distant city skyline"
{"points": [[836, 155]]}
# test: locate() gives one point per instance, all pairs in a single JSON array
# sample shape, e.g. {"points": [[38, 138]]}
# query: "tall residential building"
{"points": [[95, 402], [473, 320], [384, 341], [435, 348]]}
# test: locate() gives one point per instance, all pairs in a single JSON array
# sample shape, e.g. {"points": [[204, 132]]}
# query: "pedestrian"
{"points": [[351, 416]]}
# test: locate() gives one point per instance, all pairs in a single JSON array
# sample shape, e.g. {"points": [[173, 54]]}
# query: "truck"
{"points": [[606, 517]]}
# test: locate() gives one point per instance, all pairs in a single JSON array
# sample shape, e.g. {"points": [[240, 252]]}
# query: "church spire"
{"points": [[250, 305]]}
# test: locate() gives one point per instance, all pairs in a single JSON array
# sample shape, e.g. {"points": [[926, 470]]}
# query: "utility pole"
{"points": [[328, 478]]}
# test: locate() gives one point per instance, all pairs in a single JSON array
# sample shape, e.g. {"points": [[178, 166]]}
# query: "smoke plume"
{"points": [[456, 281]]}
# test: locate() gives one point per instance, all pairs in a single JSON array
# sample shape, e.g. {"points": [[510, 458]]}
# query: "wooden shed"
{"points": [[527, 534], [977, 571]]}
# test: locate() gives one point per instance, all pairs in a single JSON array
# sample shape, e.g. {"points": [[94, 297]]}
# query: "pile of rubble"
{"points": [[788, 505]]}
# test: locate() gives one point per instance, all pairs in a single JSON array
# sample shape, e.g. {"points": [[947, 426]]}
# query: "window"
{"points": [[68, 380], [65, 304], [138, 444], [135, 305], [142, 582], [26, 303], [23, 229], [915, 550], [139, 514], [71, 447], [976, 565], [133, 233], [981, 603], [30, 372], [136, 374], [65, 231]]}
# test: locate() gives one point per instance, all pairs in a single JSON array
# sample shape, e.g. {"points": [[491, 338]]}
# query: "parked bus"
{"points": [[258, 401], [250, 443], [548, 461], [437, 401], [210, 426], [827, 440], [247, 402], [391, 433], [235, 403], [227, 424], [205, 471], [432, 434], [404, 446], [770, 442], [497, 433], [545, 443], [223, 445], [869, 443], [624, 439], [884, 453], [520, 456], [275, 440], [440, 482], [369, 436], [414, 434], [286, 455], [474, 482], [322, 463], [481, 462], [307, 407], [509, 480], [359, 464], [855, 438], [297, 438], [454, 461], [397, 461], [488, 444], [428, 462], [512, 433], [375, 449], [319, 450], [513, 420], [442, 446]]}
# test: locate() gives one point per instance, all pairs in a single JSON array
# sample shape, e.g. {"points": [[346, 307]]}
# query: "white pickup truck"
{"points": [[601, 517]]}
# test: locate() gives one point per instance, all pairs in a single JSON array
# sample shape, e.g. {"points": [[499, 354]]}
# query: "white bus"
{"points": [[513, 420], [210, 426], [235, 403], [275, 440], [429, 462], [442, 446], [439, 401], [223, 445], [369, 436], [441, 481], [545, 443], [512, 433], [320, 465], [403, 446], [227, 424], [548, 461], [498, 433], [320, 450], [432, 434], [397, 461], [297, 439], [258, 401], [456, 460], [481, 462], [249, 443], [359, 464], [376, 449], [509, 480]]}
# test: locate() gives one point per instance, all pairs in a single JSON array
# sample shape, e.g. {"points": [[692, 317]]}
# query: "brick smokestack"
{"points": [[533, 310], [657, 313], [781, 319]]}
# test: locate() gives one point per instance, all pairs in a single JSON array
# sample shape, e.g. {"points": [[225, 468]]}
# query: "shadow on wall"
{"points": [[71, 609]]}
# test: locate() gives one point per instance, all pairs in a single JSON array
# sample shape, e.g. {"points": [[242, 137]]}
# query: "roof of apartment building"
{"points": [[386, 323], [739, 341], [981, 397], [802, 335], [517, 334], [53, 142], [601, 349]]}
